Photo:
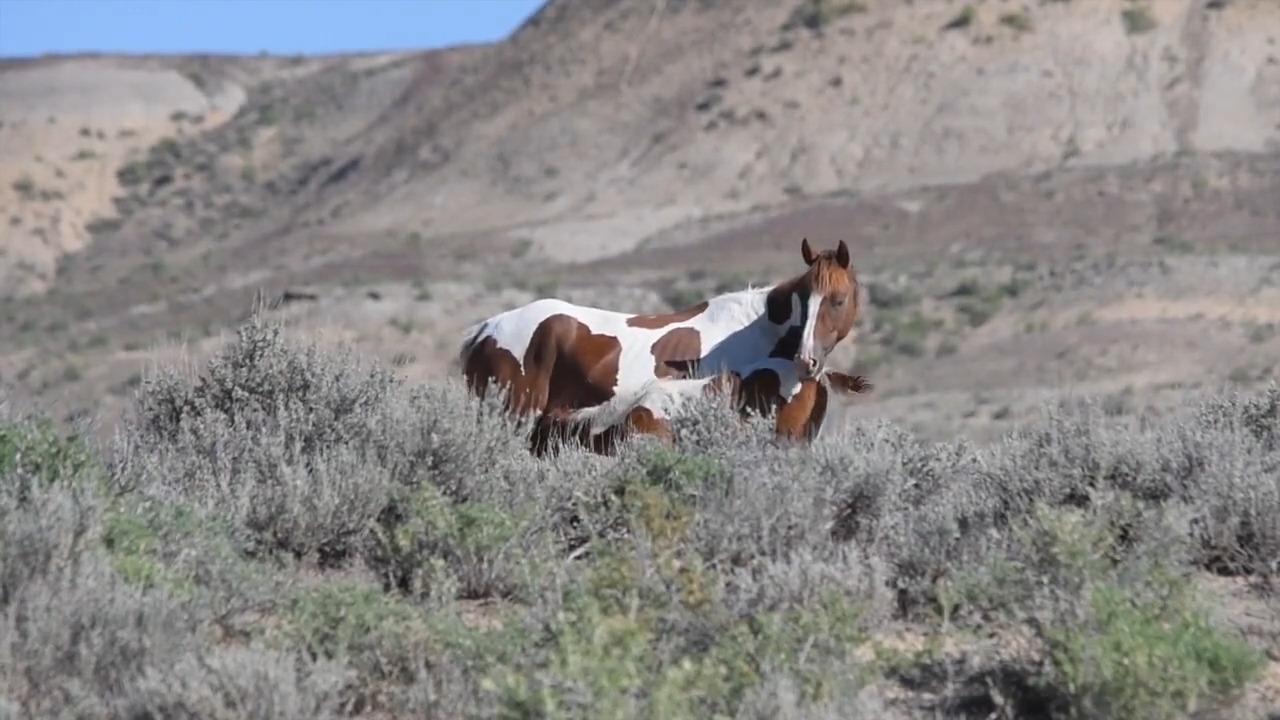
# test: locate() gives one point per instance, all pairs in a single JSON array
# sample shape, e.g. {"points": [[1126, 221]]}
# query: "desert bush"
{"points": [[1124, 634], [197, 557], [1137, 20], [727, 574], [272, 435], [302, 446], [380, 637], [429, 546], [817, 14], [84, 635], [236, 682], [638, 637], [34, 454], [1146, 655], [1018, 21], [72, 634]]}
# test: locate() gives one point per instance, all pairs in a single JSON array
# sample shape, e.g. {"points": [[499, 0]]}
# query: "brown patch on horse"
{"points": [[654, 322], [582, 366], [777, 302], [566, 367], [642, 421], [489, 363], [788, 345], [801, 417], [761, 391], [679, 345]]}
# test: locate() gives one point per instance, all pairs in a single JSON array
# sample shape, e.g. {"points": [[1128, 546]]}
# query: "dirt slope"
{"points": [[1023, 165]]}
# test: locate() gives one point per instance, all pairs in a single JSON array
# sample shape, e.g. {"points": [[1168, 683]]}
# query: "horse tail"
{"points": [[471, 337]]}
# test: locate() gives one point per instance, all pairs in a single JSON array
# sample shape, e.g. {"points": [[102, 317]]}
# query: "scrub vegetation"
{"points": [[293, 532]]}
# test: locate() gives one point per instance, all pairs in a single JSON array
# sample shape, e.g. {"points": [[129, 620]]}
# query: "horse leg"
{"points": [[642, 421], [800, 418]]}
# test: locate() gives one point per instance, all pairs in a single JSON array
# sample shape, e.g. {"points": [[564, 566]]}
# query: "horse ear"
{"points": [[853, 384], [806, 252], [842, 255]]}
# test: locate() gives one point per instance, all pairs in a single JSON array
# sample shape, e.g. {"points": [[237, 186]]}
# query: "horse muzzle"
{"points": [[808, 367]]}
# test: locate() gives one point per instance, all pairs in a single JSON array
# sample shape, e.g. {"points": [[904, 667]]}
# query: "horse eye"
{"points": [[837, 302]]}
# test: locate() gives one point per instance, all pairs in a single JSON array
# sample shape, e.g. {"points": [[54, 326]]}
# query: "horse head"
{"points": [[818, 308]]}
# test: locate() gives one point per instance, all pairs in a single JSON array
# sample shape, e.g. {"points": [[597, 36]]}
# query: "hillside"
{"points": [[1043, 197]]}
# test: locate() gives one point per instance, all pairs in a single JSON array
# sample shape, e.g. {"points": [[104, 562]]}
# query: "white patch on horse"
{"points": [[807, 350], [733, 331]]}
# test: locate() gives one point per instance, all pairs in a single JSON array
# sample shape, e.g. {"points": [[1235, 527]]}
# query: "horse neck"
{"points": [[739, 324], [737, 310]]}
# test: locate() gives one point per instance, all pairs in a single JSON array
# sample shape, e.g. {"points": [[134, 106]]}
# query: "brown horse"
{"points": [[555, 359]]}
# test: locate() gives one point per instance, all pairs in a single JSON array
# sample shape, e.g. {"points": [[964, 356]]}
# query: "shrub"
{"points": [[34, 454], [623, 647], [1018, 21], [445, 572], [1137, 20], [25, 187], [73, 634], [427, 545], [102, 226], [235, 682], [380, 637], [1150, 656], [296, 444], [817, 14], [962, 20]]}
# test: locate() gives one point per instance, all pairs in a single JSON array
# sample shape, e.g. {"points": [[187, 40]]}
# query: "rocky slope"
{"points": [[1043, 196]]}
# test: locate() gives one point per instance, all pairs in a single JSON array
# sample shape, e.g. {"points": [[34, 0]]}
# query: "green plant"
{"points": [[1173, 243], [1019, 21], [25, 187], [1260, 333], [681, 297], [405, 325], [381, 634], [1240, 374], [963, 20], [521, 248], [36, 453], [817, 14], [426, 545], [977, 311], [1146, 657], [132, 173], [1137, 20]]}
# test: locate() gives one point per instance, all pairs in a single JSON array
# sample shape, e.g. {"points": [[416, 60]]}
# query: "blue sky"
{"points": [[281, 27]]}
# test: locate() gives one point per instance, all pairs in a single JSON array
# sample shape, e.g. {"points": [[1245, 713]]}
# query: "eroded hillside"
{"points": [[1041, 196]]}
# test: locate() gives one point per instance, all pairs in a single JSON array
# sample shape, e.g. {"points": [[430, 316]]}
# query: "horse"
{"points": [[772, 386], [552, 357]]}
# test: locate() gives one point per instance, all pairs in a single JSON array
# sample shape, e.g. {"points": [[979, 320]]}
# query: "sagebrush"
{"points": [[299, 533]]}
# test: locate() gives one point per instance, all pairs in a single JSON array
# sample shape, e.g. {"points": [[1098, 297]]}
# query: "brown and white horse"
{"points": [[770, 387], [554, 358]]}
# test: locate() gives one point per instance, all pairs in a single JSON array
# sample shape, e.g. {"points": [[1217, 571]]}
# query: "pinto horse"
{"points": [[553, 358], [770, 387]]}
